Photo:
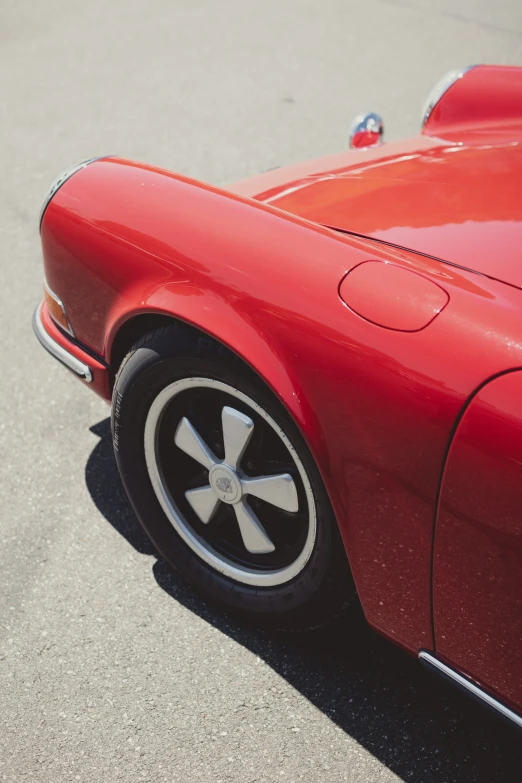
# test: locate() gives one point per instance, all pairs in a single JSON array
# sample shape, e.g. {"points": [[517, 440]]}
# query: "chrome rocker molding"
{"points": [[440, 668], [71, 362]]}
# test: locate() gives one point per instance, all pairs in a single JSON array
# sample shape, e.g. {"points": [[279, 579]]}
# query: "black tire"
{"points": [[323, 588]]}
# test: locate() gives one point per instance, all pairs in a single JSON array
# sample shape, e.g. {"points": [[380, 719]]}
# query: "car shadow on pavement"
{"points": [[420, 727]]}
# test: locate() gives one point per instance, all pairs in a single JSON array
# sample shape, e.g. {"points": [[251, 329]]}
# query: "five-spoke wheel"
{"points": [[223, 482], [230, 481]]}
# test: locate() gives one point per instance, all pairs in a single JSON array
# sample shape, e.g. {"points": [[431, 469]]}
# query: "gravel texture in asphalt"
{"points": [[111, 668]]}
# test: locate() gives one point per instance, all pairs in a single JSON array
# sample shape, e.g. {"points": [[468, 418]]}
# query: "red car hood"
{"points": [[458, 202]]}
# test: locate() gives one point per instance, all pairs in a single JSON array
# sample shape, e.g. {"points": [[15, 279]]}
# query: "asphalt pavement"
{"points": [[112, 668]]}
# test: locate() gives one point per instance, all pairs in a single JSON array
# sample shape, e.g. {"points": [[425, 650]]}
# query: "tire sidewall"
{"points": [[144, 374]]}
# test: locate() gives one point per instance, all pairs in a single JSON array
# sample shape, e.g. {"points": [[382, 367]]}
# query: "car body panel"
{"points": [[477, 582], [416, 302], [100, 380], [483, 105], [376, 406], [458, 202]]}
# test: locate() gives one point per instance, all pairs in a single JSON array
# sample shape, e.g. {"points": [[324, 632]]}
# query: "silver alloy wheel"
{"points": [[227, 483]]}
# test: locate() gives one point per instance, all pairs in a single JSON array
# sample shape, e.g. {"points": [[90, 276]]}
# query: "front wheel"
{"points": [[223, 483]]}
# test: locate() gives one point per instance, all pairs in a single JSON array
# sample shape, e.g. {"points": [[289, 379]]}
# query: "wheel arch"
{"points": [[232, 330], [130, 331], [268, 368], [136, 326]]}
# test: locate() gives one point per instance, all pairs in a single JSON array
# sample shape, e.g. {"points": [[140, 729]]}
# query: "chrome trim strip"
{"points": [[71, 362], [431, 661], [62, 179], [440, 89]]}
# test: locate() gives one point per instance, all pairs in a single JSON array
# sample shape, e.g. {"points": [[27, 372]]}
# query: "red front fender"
{"points": [[376, 405]]}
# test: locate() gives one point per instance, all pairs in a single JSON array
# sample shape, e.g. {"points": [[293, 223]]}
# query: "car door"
{"points": [[477, 576]]}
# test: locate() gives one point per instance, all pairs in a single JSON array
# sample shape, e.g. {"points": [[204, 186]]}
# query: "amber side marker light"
{"points": [[57, 310]]}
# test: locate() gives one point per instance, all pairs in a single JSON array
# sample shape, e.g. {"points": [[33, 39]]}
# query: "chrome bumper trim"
{"points": [[434, 664], [80, 369]]}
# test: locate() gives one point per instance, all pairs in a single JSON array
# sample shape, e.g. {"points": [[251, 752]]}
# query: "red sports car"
{"points": [[316, 375]]}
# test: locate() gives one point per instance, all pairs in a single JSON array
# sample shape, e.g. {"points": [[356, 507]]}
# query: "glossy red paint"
{"points": [[458, 202], [100, 383], [376, 406], [392, 297], [484, 105], [478, 545]]}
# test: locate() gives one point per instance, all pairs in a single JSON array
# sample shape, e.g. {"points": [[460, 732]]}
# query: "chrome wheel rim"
{"points": [[253, 526]]}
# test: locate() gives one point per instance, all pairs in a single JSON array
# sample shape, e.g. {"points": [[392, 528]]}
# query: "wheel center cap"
{"points": [[225, 483]]}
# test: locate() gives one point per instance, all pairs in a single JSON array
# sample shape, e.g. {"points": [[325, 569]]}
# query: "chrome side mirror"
{"points": [[367, 130]]}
